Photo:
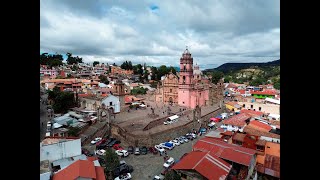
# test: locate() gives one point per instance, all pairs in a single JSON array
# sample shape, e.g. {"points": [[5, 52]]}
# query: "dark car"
{"points": [[104, 144], [153, 150], [113, 143], [122, 169], [130, 149], [101, 142], [189, 137], [144, 150]]}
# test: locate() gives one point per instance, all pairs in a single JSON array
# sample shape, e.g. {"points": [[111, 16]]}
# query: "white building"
{"points": [[112, 102], [55, 148]]}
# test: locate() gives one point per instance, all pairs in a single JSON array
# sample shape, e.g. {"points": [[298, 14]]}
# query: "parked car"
{"points": [[113, 143], [97, 139], [167, 145], [153, 150], [123, 153], [126, 176], [180, 140], [144, 150], [137, 151], [101, 142], [192, 134], [169, 162], [117, 147], [130, 149], [175, 142], [158, 177], [159, 148], [102, 145], [184, 139], [203, 130], [189, 137], [101, 152], [123, 168]]}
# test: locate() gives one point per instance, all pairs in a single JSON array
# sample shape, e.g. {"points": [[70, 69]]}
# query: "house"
{"points": [[233, 106], [112, 102], [263, 94], [237, 122], [260, 106], [54, 148], [81, 169], [252, 113], [200, 165], [243, 160]]}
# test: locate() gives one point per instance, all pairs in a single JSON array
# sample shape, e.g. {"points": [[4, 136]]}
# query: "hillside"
{"points": [[253, 73], [231, 67]]}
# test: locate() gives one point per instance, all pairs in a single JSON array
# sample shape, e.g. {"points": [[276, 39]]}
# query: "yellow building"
{"points": [[233, 106]]}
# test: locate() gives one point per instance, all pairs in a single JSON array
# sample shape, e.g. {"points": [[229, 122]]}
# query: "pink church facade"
{"points": [[193, 89]]}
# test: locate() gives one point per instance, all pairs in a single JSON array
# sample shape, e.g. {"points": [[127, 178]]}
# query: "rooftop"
{"points": [[80, 169], [256, 132], [54, 140], [225, 151], [205, 163], [260, 126], [237, 120], [252, 112]]}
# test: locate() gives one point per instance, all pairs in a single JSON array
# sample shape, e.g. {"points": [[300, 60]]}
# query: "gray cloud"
{"points": [[113, 31]]}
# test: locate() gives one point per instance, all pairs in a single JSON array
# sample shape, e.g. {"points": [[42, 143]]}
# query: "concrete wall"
{"points": [[160, 137], [60, 150], [266, 108]]}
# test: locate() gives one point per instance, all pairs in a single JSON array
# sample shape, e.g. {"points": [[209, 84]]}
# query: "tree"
{"points": [[73, 131], [62, 101], [227, 79], [73, 60], [138, 90], [103, 79], [112, 162], [172, 175], [172, 69], [216, 76], [51, 60], [95, 63], [276, 85]]}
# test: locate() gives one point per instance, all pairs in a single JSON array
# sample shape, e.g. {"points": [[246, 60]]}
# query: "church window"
{"points": [[184, 67], [184, 79], [110, 103]]}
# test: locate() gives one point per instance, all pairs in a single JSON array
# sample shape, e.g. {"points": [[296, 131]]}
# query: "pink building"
{"points": [[193, 88], [45, 72]]}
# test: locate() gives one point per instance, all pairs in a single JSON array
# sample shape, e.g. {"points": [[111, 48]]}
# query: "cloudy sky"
{"points": [[157, 31]]}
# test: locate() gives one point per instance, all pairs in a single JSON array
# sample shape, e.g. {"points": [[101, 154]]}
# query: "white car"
{"points": [[175, 142], [169, 162], [123, 177], [159, 148], [122, 153], [180, 140], [192, 134], [167, 147], [101, 152], [96, 140], [158, 177]]}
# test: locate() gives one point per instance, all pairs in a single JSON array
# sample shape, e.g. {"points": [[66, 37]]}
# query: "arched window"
{"points": [[184, 67], [170, 90], [183, 79]]}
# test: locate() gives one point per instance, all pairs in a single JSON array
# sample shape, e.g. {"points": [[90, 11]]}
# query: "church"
{"points": [[189, 88]]}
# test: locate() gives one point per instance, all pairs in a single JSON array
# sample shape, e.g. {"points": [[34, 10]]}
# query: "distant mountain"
{"points": [[229, 67]]}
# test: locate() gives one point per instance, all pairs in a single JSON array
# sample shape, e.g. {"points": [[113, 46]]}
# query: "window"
{"points": [[251, 106], [244, 105], [259, 108], [182, 102], [238, 143], [170, 90], [184, 67], [183, 79], [260, 148], [110, 103]]}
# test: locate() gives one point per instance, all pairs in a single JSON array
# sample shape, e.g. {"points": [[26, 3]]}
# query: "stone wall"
{"points": [[160, 137]]}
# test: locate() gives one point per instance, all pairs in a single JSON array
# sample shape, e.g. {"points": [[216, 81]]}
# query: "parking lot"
{"points": [[149, 165]]}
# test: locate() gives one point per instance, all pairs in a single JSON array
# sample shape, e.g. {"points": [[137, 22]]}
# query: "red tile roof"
{"points": [[227, 133], [237, 120], [225, 151], [260, 126], [80, 168], [205, 163], [252, 112], [239, 137], [254, 131], [268, 92], [100, 173], [272, 165]]}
